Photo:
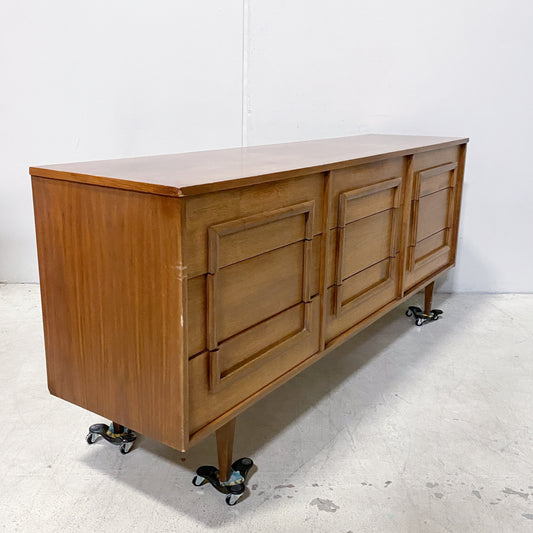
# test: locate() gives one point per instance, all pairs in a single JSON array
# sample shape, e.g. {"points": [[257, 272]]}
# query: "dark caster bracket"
{"points": [[421, 317], [234, 487], [428, 314], [115, 434], [229, 478]]}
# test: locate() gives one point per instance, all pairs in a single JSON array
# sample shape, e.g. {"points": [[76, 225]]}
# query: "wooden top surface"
{"points": [[201, 172]]}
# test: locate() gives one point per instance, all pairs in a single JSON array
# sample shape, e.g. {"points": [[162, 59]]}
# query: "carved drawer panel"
{"points": [[433, 216], [208, 210], [363, 250], [358, 177], [238, 379], [236, 292], [256, 296]]}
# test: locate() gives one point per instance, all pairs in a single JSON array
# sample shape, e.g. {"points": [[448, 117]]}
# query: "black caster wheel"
{"points": [[419, 321], [91, 438], [124, 440], [436, 314], [234, 487], [232, 499]]}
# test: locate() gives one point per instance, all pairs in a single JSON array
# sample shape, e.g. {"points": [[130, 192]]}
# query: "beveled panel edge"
{"points": [[217, 380], [234, 226], [344, 198]]}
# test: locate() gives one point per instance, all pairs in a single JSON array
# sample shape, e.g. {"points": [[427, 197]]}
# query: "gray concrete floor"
{"points": [[402, 429]]}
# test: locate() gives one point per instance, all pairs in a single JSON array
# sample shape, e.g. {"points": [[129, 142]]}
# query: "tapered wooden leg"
{"points": [[117, 428], [428, 297], [225, 436]]}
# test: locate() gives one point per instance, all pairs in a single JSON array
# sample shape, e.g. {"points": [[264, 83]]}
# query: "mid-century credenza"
{"points": [[177, 290]]}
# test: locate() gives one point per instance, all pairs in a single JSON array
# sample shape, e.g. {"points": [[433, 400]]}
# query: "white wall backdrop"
{"points": [[103, 80], [100, 79]]}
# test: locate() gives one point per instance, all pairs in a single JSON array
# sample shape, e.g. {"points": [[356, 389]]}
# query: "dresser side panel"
{"points": [[112, 294]]}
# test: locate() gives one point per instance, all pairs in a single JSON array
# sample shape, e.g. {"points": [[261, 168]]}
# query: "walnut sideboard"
{"points": [[177, 290]]}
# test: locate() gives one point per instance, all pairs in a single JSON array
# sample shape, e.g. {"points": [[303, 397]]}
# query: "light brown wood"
{"points": [[433, 215], [204, 304], [225, 436], [248, 292], [428, 297], [209, 171], [206, 404], [109, 264], [205, 213], [430, 245], [358, 178]]}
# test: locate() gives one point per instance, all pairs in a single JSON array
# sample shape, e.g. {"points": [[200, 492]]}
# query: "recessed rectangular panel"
{"points": [[432, 214], [367, 279], [208, 210], [346, 180], [253, 241], [258, 288], [258, 340], [364, 206], [430, 244], [437, 182], [356, 311], [366, 242]]}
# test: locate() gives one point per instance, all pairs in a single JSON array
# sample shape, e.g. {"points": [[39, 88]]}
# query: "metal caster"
{"points": [[421, 317], [125, 439], [234, 487]]}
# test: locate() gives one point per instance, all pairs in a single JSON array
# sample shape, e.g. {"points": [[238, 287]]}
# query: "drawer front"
{"points": [[433, 214], [369, 302], [263, 271], [240, 289], [362, 254], [203, 212], [359, 177], [293, 344]]}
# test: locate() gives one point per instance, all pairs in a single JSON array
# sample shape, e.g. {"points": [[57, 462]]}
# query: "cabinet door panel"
{"points": [[246, 298], [433, 215], [362, 253]]}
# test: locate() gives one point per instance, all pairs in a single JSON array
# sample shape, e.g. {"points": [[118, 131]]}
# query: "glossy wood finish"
{"points": [[204, 304], [215, 170]]}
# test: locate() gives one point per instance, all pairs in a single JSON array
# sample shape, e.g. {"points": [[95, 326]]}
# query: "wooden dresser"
{"points": [[177, 290]]}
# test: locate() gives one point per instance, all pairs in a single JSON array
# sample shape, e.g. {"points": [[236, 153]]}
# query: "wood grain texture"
{"points": [[434, 213], [228, 207], [206, 405], [209, 171], [202, 305], [428, 297], [110, 271], [225, 436]]}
